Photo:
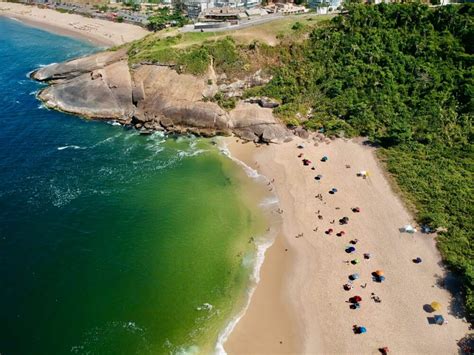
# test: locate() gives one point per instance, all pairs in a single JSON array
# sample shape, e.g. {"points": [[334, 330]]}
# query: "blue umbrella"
{"points": [[350, 250], [362, 330], [354, 276]]}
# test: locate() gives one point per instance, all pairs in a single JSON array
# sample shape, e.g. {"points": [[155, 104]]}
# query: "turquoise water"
{"points": [[110, 242]]}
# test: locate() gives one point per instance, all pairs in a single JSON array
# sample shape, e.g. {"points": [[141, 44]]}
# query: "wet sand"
{"points": [[300, 299], [100, 32]]}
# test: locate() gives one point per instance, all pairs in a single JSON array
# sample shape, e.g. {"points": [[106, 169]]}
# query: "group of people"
{"points": [[354, 301]]}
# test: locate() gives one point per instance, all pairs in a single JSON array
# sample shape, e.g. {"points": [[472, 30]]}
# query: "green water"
{"points": [[111, 242]]}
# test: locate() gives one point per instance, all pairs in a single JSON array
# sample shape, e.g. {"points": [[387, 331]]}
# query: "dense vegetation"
{"points": [[166, 17], [402, 75]]}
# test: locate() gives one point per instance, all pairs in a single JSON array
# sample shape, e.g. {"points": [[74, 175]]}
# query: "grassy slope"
{"points": [[192, 51]]}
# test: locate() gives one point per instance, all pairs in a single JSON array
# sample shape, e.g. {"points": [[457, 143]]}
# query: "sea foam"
{"points": [[255, 279], [69, 147], [262, 243]]}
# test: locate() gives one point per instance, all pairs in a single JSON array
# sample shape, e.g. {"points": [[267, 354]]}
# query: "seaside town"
{"points": [[197, 15], [261, 176]]}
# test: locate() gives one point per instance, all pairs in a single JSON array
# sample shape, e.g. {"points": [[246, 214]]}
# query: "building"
{"points": [[195, 7], [220, 14], [290, 9], [324, 6]]}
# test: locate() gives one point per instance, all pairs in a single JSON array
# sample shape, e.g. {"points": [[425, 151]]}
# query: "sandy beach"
{"points": [[300, 305], [100, 32]]}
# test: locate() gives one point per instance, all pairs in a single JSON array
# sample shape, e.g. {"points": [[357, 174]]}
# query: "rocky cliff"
{"points": [[154, 97]]}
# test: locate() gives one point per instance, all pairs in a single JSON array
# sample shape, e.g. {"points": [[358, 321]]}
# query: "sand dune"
{"points": [[307, 311], [102, 32]]}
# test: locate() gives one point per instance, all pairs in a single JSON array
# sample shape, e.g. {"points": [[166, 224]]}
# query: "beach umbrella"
{"points": [[318, 177], [350, 250], [354, 276], [357, 298], [435, 305], [362, 330], [379, 273], [324, 158], [355, 261], [439, 319]]}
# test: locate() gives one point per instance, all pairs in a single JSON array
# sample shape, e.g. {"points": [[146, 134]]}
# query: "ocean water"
{"points": [[111, 242]]}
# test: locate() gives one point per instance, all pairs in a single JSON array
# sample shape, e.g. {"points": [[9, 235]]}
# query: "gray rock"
{"points": [[105, 95], [264, 102], [152, 97], [301, 132], [77, 67], [274, 133]]}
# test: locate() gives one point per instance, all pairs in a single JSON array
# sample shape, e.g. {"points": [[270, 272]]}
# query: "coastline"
{"points": [[268, 245], [96, 31], [308, 277]]}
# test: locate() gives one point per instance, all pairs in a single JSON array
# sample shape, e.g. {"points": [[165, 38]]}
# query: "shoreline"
{"points": [[99, 32], [58, 30], [268, 245], [298, 271]]}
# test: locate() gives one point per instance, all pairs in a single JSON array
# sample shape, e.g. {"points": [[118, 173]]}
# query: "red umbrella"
{"points": [[357, 298]]}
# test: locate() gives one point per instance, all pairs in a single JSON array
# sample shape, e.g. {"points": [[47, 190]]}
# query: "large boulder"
{"points": [[252, 122], [175, 100], [104, 93], [77, 67]]}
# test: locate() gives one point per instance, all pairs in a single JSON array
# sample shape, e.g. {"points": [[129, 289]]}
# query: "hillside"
{"points": [[401, 75]]}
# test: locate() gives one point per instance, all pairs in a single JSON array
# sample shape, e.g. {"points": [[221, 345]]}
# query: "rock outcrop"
{"points": [[152, 97]]}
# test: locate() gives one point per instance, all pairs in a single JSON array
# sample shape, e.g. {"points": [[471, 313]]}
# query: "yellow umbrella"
{"points": [[435, 305]]}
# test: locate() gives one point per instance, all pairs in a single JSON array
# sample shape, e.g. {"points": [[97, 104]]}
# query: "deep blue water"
{"points": [[110, 242]]}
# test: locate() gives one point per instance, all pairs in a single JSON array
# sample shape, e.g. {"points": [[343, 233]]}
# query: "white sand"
{"points": [[307, 309], [98, 31]]}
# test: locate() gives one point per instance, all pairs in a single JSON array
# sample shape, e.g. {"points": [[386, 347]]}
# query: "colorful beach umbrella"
{"points": [[435, 305], [379, 273]]}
